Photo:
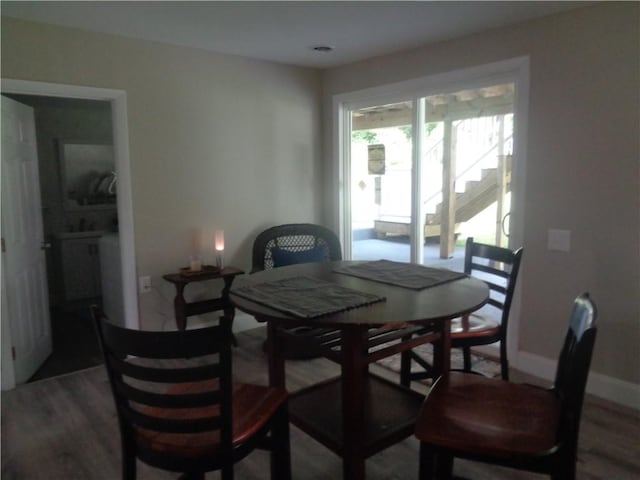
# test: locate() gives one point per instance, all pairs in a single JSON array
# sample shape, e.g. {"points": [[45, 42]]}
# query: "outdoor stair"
{"points": [[477, 195]]}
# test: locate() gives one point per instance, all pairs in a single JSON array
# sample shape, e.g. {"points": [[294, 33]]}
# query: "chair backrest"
{"points": [[168, 372], [573, 366], [294, 243], [499, 268]]}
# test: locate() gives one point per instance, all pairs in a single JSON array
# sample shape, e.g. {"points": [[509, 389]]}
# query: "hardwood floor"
{"points": [[65, 428], [75, 344]]}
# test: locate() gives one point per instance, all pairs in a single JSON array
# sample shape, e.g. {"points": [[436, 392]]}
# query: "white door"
{"points": [[23, 257]]}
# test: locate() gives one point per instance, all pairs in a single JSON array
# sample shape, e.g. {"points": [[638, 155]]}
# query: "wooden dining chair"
{"points": [[178, 409], [514, 425], [498, 267], [290, 244]]}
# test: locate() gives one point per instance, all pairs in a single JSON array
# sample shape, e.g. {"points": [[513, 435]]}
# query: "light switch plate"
{"points": [[559, 240]]}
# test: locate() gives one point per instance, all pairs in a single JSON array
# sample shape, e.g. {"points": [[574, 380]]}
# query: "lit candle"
{"points": [[219, 246], [219, 240]]}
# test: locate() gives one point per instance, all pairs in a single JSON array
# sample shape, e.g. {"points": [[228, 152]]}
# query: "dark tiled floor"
{"points": [[75, 345]]}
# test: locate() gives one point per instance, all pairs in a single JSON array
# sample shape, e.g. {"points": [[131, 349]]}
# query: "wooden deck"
{"points": [[394, 226]]}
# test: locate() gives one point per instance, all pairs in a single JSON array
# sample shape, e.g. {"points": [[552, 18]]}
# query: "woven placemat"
{"points": [[306, 297], [407, 275]]}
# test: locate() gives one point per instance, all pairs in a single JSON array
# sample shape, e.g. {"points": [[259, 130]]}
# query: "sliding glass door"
{"points": [[428, 171], [427, 163]]}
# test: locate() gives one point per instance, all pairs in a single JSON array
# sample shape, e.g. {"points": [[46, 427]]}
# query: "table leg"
{"points": [[275, 349], [442, 350], [354, 379], [180, 308]]}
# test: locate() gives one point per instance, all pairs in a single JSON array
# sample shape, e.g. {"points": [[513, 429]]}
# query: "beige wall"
{"points": [[210, 136], [582, 170], [215, 141]]}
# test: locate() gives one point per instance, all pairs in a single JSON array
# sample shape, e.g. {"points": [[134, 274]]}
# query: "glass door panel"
{"points": [[465, 185], [466, 180], [466, 146], [380, 172]]}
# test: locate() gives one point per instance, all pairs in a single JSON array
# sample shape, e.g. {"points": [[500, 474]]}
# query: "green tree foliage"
{"points": [[364, 136], [371, 138], [429, 127], [407, 131]]}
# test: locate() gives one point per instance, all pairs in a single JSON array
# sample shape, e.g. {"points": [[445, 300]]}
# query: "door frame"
{"points": [[118, 101], [514, 70]]}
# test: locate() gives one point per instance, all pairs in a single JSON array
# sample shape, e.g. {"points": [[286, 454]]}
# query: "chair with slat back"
{"points": [[498, 267], [177, 407], [504, 423], [290, 244]]}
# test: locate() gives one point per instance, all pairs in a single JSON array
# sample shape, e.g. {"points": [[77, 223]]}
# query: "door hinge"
{"points": [[3, 247], [13, 352]]}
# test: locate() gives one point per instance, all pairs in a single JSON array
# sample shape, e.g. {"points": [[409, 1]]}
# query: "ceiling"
{"points": [[286, 32]]}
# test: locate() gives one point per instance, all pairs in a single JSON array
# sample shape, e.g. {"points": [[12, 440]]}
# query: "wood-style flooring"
{"points": [[75, 344], [65, 428]]}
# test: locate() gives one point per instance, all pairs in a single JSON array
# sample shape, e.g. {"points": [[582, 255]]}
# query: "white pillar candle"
{"points": [[219, 240], [195, 264]]}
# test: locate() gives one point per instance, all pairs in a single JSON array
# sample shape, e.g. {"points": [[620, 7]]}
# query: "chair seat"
{"points": [[474, 326], [477, 415], [253, 406]]}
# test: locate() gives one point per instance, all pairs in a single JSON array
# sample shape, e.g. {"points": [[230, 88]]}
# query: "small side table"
{"points": [[185, 309]]}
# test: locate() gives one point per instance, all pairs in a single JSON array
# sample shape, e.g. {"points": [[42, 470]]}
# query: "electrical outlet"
{"points": [[144, 284]]}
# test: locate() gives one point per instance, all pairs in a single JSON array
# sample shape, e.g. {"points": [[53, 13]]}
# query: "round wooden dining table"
{"points": [[358, 413]]}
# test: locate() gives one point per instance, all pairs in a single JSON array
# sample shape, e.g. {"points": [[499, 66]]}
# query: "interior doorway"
{"points": [[125, 263], [78, 191]]}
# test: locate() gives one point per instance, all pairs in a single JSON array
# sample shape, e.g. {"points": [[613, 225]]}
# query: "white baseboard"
{"points": [[603, 386], [535, 365]]}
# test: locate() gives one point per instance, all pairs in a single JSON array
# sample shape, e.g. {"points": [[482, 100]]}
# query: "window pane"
{"points": [[381, 149], [466, 170]]}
